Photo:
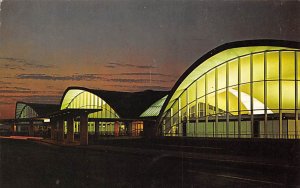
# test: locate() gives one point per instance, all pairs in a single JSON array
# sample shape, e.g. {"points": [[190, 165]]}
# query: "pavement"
{"points": [[208, 154], [138, 163]]}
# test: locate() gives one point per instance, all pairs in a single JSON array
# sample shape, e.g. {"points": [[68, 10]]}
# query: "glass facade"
{"points": [[80, 99], [155, 108], [107, 119], [86, 100], [25, 111], [137, 128], [250, 95]]}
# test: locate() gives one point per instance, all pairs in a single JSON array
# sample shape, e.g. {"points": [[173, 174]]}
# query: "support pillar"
{"points": [[31, 128], [149, 129], [18, 127], [127, 129], [184, 123], [60, 130], [13, 129], [116, 129], [70, 129], [96, 130], [53, 128], [84, 129]]}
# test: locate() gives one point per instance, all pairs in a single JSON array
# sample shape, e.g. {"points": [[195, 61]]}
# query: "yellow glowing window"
{"points": [[222, 76], [272, 65], [288, 95], [233, 72], [233, 99], [222, 99], [211, 81], [258, 66], [288, 65], [245, 69], [273, 95], [192, 92], [201, 87], [298, 62]]}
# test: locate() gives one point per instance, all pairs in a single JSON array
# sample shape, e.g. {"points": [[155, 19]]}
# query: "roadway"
{"points": [[26, 163]]}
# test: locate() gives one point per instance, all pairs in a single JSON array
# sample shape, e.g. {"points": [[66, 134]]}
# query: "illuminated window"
{"points": [[256, 84]]}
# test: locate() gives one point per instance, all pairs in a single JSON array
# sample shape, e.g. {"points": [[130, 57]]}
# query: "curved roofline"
{"points": [[18, 102], [93, 91], [223, 47], [121, 101], [32, 106], [26, 104], [70, 88], [33, 103]]}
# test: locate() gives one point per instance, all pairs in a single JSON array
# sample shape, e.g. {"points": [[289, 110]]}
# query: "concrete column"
{"points": [[31, 129], [70, 129], [60, 130], [184, 126], [96, 130], [116, 128], [53, 127], [149, 129], [84, 129], [18, 128], [129, 128], [13, 129]]}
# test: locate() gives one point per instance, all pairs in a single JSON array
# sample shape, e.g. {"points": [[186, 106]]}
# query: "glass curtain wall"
{"points": [[254, 95], [27, 112], [87, 100]]}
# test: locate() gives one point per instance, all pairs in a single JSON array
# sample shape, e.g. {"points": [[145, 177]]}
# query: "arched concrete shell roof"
{"points": [[41, 109], [221, 54], [126, 104]]}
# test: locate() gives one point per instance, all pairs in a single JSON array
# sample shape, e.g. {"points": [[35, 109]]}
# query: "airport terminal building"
{"points": [[246, 89], [116, 113], [32, 118]]}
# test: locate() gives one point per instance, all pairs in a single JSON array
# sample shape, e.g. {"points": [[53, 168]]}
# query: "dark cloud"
{"points": [[115, 64], [11, 59], [16, 88], [48, 99], [13, 67], [161, 88], [144, 74], [4, 83], [15, 93], [75, 77], [38, 66], [109, 66], [3, 91], [134, 80], [21, 64], [141, 88], [51, 99], [85, 77]]}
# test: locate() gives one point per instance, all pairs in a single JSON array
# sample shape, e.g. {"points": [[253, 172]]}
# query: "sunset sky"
{"points": [[46, 46]]}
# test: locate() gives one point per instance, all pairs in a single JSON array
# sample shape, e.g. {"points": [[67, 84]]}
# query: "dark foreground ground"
{"points": [[30, 164]]}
